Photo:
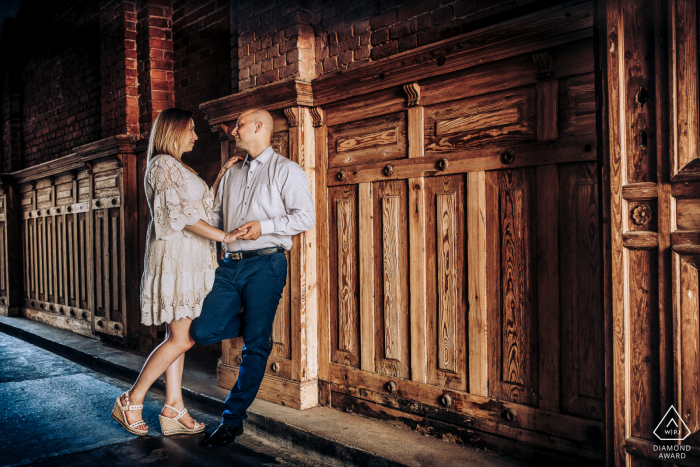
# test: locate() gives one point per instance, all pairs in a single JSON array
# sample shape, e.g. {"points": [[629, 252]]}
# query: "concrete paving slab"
{"points": [[324, 434]]}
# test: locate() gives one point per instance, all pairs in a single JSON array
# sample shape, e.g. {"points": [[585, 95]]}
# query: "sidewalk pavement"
{"points": [[323, 434]]}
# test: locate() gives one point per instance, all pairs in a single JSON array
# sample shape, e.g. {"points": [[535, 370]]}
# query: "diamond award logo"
{"points": [[672, 427]]}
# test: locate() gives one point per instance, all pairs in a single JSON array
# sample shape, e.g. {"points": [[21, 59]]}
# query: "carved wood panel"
{"points": [[491, 119], [512, 289], [73, 250], [446, 275], [344, 277], [368, 140], [391, 323]]}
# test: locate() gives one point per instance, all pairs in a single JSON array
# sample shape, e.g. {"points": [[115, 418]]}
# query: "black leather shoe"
{"points": [[224, 434]]}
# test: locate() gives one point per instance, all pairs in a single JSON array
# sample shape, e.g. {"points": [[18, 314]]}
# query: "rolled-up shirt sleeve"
{"points": [[298, 203]]}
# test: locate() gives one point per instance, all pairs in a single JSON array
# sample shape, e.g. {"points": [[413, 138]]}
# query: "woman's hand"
{"points": [[234, 234], [229, 163]]}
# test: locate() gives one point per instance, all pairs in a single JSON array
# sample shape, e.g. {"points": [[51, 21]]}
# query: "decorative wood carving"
{"points": [[221, 130], [390, 252], [413, 93], [543, 64], [346, 270], [447, 278], [641, 214], [292, 116], [317, 116]]}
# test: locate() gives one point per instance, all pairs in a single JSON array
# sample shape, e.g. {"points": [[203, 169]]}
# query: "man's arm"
{"points": [[298, 203]]}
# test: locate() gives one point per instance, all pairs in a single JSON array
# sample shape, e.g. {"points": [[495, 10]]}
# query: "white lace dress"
{"points": [[179, 265]]}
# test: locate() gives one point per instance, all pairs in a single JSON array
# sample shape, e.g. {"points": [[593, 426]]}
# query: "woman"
{"points": [[178, 268]]}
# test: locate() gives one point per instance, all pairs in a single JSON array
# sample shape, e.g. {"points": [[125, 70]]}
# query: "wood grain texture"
{"points": [[369, 140], [581, 318], [390, 262], [417, 271], [513, 370], [499, 118], [390, 200], [446, 298], [485, 413], [547, 111], [548, 287], [687, 284], [476, 275], [351, 315], [684, 76], [475, 160], [576, 105], [366, 279], [322, 250], [415, 136], [447, 278], [346, 274]]}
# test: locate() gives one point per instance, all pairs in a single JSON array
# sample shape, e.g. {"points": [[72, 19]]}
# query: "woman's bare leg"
{"points": [[177, 342], [173, 392]]}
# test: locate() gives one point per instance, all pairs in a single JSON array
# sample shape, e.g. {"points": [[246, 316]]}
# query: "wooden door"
{"points": [[464, 255], [649, 54]]}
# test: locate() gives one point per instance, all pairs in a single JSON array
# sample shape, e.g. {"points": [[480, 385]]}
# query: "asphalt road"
{"points": [[54, 412]]}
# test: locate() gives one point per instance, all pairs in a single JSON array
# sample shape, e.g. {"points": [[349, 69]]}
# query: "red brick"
{"points": [[465, 7], [345, 58], [416, 8], [385, 50], [289, 70], [421, 23], [400, 29], [385, 19], [380, 36], [443, 15], [279, 61], [267, 77]]}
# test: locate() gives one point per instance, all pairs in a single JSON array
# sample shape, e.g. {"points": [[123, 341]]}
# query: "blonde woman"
{"points": [[178, 268]]}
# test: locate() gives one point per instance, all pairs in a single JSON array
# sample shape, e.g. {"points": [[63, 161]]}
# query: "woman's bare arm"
{"points": [[228, 165], [205, 230]]}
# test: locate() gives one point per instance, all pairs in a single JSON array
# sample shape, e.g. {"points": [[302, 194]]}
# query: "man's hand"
{"points": [[249, 231]]}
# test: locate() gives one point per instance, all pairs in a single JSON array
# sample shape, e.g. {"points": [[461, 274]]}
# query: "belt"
{"points": [[238, 255]]}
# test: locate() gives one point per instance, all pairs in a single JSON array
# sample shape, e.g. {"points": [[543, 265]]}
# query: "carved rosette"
{"points": [[641, 214]]}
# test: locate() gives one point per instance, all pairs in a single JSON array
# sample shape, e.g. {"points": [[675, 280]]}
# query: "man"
{"points": [[267, 198]]}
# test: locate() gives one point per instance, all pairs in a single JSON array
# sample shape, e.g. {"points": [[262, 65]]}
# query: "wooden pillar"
{"points": [[417, 236]]}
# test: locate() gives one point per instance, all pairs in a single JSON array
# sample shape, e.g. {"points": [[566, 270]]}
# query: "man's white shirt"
{"points": [[270, 189]]}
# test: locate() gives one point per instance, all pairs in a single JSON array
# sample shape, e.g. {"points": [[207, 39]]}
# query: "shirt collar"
{"points": [[261, 159]]}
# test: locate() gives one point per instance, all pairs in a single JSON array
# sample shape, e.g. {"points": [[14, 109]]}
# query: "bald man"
{"points": [[267, 199]]}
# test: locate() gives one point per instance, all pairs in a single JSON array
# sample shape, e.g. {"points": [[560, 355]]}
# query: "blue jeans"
{"points": [[255, 284]]}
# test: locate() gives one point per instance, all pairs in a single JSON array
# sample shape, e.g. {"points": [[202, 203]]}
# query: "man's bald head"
{"points": [[253, 131], [263, 117]]}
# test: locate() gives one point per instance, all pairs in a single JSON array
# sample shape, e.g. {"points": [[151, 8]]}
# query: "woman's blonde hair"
{"points": [[168, 133]]}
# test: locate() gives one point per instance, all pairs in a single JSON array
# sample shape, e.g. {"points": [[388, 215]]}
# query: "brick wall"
{"points": [[118, 65], [202, 64], [275, 42], [352, 32], [57, 74], [155, 61]]}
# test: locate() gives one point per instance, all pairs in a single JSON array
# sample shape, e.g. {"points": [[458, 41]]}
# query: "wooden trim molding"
{"points": [[103, 148]]}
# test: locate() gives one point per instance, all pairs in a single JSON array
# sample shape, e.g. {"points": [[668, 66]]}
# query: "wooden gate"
{"points": [[74, 237], [649, 54], [464, 264]]}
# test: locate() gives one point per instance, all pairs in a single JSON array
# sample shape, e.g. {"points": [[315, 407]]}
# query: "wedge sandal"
{"points": [[119, 414], [173, 426]]}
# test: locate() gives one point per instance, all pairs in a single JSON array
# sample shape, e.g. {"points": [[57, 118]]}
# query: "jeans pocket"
{"points": [[279, 264]]}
